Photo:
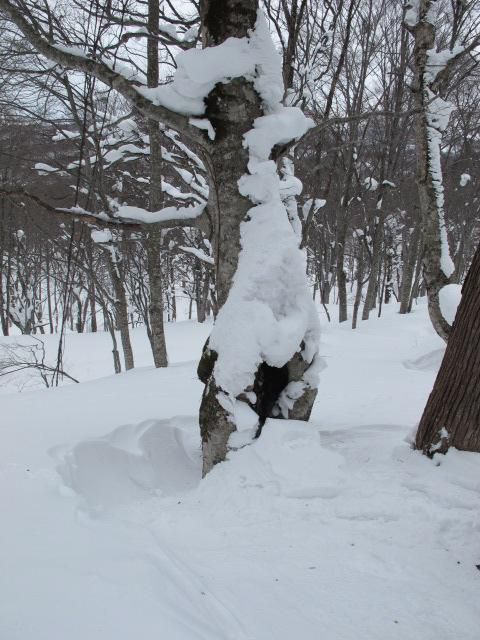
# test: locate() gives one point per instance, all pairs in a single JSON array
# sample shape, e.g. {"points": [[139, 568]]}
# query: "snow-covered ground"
{"points": [[334, 529]]}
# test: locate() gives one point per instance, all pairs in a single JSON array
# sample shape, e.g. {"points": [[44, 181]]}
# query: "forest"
{"points": [[240, 319]]}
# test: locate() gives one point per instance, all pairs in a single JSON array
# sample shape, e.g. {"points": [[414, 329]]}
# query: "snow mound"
{"points": [[428, 362], [154, 457], [288, 460]]}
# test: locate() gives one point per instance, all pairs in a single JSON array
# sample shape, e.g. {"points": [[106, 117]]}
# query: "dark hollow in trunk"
{"points": [[269, 384]]}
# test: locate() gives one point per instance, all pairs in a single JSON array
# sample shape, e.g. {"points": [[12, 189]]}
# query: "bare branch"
{"points": [[102, 72]]}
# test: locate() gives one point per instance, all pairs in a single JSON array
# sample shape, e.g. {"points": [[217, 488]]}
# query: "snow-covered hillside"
{"points": [[334, 529]]}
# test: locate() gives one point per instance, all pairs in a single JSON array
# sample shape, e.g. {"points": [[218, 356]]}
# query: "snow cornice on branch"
{"points": [[125, 218]]}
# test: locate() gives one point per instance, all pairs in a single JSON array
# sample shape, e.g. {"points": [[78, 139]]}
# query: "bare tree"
{"points": [[433, 70]]}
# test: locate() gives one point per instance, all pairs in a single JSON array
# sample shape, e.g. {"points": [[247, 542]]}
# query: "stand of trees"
{"points": [[126, 180]]}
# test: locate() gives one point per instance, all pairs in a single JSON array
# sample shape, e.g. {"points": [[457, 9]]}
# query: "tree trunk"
{"points": [[452, 415], [370, 298], [409, 270], [232, 108], [340, 266], [358, 294], [202, 291], [155, 308], [121, 308], [111, 329], [154, 239], [429, 127]]}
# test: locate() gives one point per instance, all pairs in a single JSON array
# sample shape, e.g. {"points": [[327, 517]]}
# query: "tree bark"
{"points": [[340, 266], [429, 175], [121, 308], [232, 108], [154, 238], [358, 294], [452, 414], [409, 270], [370, 298]]}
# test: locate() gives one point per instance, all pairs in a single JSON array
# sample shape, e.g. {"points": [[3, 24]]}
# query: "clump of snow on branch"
{"points": [[198, 253], [411, 12], [450, 297], [290, 188], [137, 214], [101, 236], [465, 179], [199, 70], [269, 300], [438, 60], [312, 206], [370, 184]]}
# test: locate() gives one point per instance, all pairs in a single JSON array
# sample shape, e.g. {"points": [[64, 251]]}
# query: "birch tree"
{"points": [[432, 72]]}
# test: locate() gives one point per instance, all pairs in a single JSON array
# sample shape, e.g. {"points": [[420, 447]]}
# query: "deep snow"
{"points": [[335, 529]]}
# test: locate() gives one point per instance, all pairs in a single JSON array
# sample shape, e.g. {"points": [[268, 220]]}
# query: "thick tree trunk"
{"points": [[232, 109], [452, 415]]}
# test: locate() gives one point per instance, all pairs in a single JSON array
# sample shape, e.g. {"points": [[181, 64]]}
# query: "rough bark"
{"points": [[232, 108], [452, 414]]}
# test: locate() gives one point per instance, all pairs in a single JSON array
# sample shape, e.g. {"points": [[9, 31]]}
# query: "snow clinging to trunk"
{"points": [[269, 297]]}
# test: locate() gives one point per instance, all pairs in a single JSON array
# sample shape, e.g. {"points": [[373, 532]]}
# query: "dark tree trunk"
{"points": [[121, 308], [156, 333], [409, 271], [452, 415], [370, 298], [340, 265], [358, 294]]}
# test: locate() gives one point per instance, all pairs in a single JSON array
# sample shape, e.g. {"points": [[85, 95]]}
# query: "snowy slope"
{"points": [[334, 530]]}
